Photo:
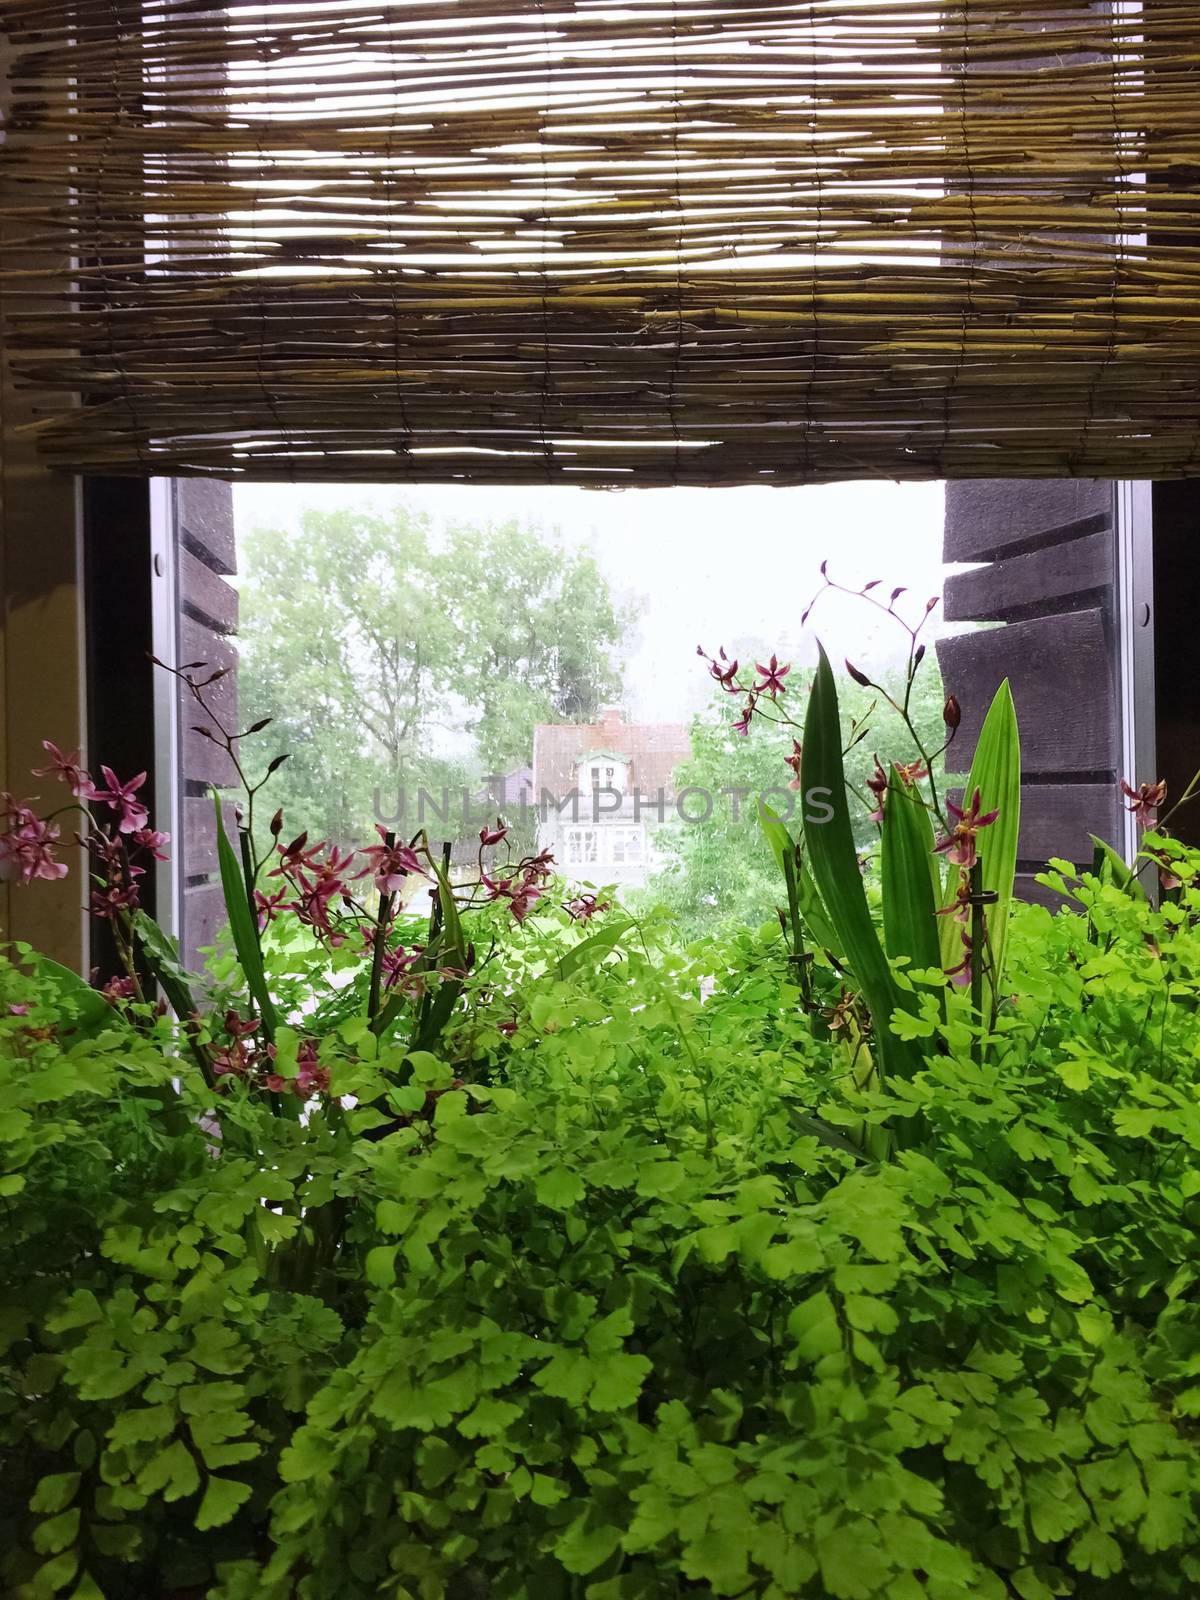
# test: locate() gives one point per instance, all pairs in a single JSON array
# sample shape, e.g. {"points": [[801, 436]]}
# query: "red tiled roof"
{"points": [[653, 749]]}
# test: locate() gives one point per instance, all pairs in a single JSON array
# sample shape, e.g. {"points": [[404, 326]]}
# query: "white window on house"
{"points": [[628, 847], [600, 769], [582, 847]]}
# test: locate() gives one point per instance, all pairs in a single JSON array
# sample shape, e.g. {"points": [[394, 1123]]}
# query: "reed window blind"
{"points": [[605, 242]]}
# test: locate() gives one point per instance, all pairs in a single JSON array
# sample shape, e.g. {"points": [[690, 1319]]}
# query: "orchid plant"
{"points": [[360, 907], [938, 930], [408, 970]]}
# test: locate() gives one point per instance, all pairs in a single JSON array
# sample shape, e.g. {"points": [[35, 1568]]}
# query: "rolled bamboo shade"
{"points": [[607, 242]]}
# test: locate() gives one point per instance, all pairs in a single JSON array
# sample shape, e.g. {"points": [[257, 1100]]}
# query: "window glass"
{"points": [[434, 657], [582, 847], [627, 846]]}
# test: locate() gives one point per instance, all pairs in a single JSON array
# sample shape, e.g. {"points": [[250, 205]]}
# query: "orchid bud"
{"points": [[867, 587], [931, 602], [277, 824], [919, 657], [859, 677], [951, 712], [824, 564]]}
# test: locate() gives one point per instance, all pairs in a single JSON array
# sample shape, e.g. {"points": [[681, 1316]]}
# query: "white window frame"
{"points": [[578, 841], [621, 838]]}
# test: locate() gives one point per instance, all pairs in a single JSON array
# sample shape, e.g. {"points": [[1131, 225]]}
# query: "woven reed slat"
{"points": [[577, 241]]}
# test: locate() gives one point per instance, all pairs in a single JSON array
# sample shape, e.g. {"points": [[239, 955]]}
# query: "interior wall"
{"points": [[41, 678], [41, 626]]}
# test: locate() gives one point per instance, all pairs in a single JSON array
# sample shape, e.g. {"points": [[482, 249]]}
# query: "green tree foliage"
{"points": [[720, 874], [390, 652]]}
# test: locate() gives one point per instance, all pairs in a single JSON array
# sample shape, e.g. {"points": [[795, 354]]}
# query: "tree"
{"points": [[393, 654], [720, 873]]}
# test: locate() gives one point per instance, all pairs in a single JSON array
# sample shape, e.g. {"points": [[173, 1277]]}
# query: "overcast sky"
{"points": [[706, 566]]}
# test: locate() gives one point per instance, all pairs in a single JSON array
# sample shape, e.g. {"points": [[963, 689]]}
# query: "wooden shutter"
{"points": [[1049, 580], [205, 557]]}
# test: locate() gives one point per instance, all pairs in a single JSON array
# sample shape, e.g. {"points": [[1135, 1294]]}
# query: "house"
{"points": [[509, 795], [602, 791], [510, 791]]}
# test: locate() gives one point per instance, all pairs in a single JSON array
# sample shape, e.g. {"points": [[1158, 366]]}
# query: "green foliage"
{"points": [[366, 637], [909, 887], [996, 775], [607, 1299], [719, 876], [830, 853], [237, 894], [829, 917]]}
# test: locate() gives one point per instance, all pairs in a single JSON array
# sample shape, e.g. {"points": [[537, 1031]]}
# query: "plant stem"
{"points": [[978, 936], [381, 926], [799, 955], [249, 874]]}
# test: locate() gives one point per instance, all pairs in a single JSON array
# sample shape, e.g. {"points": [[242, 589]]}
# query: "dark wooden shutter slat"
{"points": [[205, 555], [1076, 573], [1049, 582]]}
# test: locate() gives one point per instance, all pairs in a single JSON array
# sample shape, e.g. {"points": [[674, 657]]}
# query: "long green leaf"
{"points": [[242, 925], [834, 862], [448, 951], [432, 1020], [784, 850], [1113, 868], [775, 832], [813, 911], [444, 942], [161, 955], [92, 1011], [996, 773], [799, 881], [594, 948], [451, 921], [909, 910]]}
